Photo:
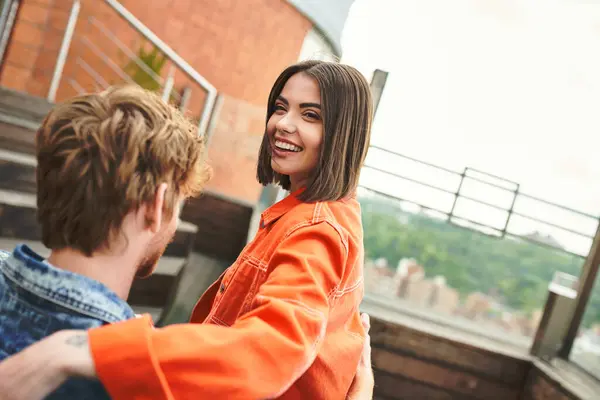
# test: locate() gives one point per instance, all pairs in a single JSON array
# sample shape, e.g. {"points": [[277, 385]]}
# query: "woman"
{"points": [[283, 320]]}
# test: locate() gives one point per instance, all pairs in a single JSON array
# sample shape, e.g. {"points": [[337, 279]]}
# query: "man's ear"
{"points": [[154, 212]]}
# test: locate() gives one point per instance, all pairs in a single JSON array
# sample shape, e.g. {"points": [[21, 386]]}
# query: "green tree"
{"points": [[154, 61], [515, 270]]}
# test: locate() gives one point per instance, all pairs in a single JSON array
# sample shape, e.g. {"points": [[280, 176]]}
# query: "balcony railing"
{"points": [[462, 198], [95, 52]]}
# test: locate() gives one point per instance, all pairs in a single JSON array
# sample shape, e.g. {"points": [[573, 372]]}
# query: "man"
{"points": [[112, 171]]}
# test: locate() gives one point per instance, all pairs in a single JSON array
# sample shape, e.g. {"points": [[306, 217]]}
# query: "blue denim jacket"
{"points": [[37, 299]]}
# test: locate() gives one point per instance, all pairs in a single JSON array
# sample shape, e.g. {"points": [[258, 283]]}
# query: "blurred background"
{"points": [[480, 193]]}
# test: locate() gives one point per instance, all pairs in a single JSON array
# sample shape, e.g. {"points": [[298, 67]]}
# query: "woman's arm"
{"points": [[259, 356], [16, 375]]}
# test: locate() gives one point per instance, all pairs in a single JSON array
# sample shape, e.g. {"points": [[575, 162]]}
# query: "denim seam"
{"points": [[70, 304]]}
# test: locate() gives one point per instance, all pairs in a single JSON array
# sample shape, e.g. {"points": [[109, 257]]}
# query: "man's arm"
{"points": [[260, 356], [41, 368]]}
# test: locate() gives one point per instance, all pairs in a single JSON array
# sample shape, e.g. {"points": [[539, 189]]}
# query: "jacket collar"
{"points": [[73, 291], [279, 209]]}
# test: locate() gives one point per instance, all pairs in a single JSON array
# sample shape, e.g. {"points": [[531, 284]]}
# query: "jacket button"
{"points": [[222, 288]]}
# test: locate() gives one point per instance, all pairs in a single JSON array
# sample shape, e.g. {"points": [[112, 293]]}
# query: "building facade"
{"points": [[239, 47]]}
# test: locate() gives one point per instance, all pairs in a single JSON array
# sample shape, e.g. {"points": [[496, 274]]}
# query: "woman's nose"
{"points": [[286, 125]]}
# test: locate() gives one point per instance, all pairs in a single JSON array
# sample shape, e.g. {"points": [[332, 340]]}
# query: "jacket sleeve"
{"points": [[260, 356]]}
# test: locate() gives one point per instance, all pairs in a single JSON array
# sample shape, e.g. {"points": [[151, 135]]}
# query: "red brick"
{"points": [[38, 87], [15, 77], [25, 32], [21, 55], [63, 4], [46, 61], [58, 19], [34, 13]]}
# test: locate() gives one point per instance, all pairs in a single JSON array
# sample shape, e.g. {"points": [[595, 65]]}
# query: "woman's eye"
{"points": [[312, 115], [279, 107]]}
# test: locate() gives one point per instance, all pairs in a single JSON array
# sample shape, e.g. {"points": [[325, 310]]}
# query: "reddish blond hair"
{"points": [[102, 155]]}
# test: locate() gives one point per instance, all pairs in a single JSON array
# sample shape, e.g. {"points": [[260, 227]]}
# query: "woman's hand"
{"points": [[364, 381], [42, 367]]}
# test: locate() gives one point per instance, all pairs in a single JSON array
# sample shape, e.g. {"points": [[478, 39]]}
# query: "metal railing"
{"points": [[456, 191], [8, 14], [74, 34]]}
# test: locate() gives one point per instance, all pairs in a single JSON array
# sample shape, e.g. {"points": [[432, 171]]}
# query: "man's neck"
{"points": [[114, 271]]}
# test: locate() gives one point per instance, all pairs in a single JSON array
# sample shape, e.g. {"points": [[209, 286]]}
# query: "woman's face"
{"points": [[295, 130]]}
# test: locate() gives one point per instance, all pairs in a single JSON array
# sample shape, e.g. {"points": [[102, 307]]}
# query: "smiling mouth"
{"points": [[285, 146]]}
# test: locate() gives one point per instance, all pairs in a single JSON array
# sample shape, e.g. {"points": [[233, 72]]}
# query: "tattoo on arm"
{"points": [[78, 340]]}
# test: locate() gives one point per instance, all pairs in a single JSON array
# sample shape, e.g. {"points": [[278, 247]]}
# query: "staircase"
{"points": [[92, 37], [20, 116]]}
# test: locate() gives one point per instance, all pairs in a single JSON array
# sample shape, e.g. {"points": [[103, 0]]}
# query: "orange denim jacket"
{"points": [[281, 322]]}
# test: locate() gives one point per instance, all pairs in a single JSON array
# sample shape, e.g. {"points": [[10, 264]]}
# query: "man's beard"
{"points": [[157, 248], [148, 264]]}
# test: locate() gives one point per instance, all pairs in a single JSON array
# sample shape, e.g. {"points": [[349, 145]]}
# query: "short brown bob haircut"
{"points": [[103, 155], [347, 111]]}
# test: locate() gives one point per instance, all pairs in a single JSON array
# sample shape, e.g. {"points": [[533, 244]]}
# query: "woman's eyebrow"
{"points": [[302, 105], [314, 105]]}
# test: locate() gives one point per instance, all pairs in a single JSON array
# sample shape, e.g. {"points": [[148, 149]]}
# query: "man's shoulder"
{"points": [[57, 291], [4, 255]]}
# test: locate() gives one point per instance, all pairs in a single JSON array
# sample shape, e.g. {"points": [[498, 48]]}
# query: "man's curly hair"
{"points": [[102, 155]]}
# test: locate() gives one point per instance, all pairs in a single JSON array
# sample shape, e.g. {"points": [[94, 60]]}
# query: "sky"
{"points": [[509, 87]]}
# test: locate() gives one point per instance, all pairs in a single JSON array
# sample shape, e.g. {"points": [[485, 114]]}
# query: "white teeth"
{"points": [[287, 146]]}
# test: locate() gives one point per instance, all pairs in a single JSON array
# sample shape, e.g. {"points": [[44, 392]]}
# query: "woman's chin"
{"points": [[281, 170]]}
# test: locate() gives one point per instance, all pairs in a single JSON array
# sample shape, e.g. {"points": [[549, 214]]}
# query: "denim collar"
{"points": [[28, 270]]}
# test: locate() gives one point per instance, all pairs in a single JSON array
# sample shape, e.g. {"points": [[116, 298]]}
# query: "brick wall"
{"points": [[239, 47], [233, 148]]}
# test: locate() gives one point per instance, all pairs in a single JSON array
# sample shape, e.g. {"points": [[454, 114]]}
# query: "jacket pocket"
{"points": [[236, 294]]}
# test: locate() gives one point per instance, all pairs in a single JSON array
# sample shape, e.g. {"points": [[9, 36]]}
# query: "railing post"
{"points": [[211, 91], [7, 19], [377, 85], [457, 193], [166, 94], [207, 111], [185, 98], [587, 279], [64, 50], [5, 12], [511, 209], [208, 119]]}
